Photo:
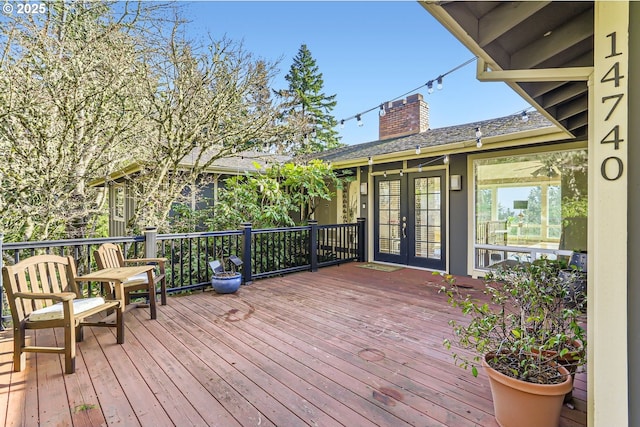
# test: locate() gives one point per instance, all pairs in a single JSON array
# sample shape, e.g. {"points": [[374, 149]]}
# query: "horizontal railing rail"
{"points": [[264, 252]]}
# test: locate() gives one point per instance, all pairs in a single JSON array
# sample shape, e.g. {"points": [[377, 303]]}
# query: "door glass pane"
{"points": [[434, 201], [389, 217], [427, 215], [434, 218]]}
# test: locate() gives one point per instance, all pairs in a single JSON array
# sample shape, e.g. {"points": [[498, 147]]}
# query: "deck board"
{"points": [[344, 346]]}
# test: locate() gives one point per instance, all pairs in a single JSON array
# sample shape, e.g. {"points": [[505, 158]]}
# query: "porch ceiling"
{"points": [[528, 35]]}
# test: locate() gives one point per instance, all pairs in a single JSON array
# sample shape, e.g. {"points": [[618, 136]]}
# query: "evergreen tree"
{"points": [[310, 108]]}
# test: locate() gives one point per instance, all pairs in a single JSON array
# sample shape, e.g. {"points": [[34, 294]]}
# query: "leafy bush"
{"points": [[526, 321]]}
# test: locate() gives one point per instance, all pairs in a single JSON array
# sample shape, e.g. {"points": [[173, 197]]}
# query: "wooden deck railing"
{"points": [[264, 252]]}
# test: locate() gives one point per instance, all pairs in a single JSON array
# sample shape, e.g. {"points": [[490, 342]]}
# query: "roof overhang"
{"points": [[543, 50], [238, 164], [511, 140]]}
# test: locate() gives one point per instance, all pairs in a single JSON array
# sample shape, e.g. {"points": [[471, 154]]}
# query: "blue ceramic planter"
{"points": [[226, 284]]}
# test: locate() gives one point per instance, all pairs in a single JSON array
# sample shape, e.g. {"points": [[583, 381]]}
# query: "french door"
{"points": [[409, 217]]}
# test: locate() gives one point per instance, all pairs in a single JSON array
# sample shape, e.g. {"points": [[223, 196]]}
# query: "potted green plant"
{"points": [[526, 336], [226, 280]]}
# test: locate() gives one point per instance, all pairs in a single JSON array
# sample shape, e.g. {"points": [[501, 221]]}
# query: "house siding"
{"points": [[458, 212], [633, 253]]}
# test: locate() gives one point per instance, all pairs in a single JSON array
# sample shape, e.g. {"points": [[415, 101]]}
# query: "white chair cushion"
{"points": [[55, 312], [138, 277]]}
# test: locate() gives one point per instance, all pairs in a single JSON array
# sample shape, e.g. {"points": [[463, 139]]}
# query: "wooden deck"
{"points": [[345, 346]]}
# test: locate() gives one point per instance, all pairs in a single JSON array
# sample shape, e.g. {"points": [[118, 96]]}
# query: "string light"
{"points": [[382, 112], [384, 174], [478, 137], [418, 149], [370, 160], [401, 173], [444, 158], [428, 84], [523, 114]]}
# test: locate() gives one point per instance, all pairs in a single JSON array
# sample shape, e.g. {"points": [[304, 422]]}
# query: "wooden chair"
{"points": [[109, 255], [42, 293]]}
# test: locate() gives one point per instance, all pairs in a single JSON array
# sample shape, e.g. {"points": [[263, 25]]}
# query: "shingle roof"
{"points": [[241, 162], [437, 137]]}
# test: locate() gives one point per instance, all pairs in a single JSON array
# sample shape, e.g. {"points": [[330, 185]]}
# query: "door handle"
{"points": [[404, 230]]}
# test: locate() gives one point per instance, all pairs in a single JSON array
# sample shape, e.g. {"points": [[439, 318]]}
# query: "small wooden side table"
{"points": [[117, 276]]}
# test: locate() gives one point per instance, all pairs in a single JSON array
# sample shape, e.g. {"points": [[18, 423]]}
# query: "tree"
{"points": [[90, 87], [70, 111], [309, 107], [269, 198], [204, 104]]}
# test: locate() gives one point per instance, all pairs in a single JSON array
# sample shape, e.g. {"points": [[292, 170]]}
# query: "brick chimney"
{"points": [[404, 117]]}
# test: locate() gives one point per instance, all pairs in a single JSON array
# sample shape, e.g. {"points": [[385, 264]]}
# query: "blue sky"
{"points": [[369, 52]]}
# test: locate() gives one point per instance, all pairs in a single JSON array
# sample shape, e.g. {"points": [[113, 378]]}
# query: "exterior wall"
{"points": [[327, 210], [203, 199], [404, 117], [633, 194], [366, 208], [353, 201], [609, 220], [458, 211]]}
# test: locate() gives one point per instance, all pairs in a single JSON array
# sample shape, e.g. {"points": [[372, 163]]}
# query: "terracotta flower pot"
{"points": [[568, 361], [518, 403]]}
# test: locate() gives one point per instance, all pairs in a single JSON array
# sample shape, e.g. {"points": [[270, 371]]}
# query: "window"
{"points": [[529, 203]]}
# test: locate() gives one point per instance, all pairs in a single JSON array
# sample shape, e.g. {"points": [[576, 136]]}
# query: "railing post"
{"points": [[313, 244], [246, 253], [150, 246], [362, 247]]}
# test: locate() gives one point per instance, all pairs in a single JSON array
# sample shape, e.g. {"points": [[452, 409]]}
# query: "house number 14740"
{"points": [[612, 167]]}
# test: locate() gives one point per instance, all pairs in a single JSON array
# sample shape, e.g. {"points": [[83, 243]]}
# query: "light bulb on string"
{"points": [[370, 160], [478, 133], [418, 149], [479, 142], [401, 173], [524, 116], [438, 81], [446, 159], [430, 86], [384, 174], [419, 168]]}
